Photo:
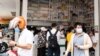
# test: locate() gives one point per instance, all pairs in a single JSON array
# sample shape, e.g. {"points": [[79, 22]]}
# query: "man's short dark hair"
{"points": [[54, 25], [78, 23]]}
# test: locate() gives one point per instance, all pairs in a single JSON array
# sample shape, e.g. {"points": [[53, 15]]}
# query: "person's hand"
{"points": [[77, 46], [12, 43], [15, 48], [65, 55], [46, 45]]}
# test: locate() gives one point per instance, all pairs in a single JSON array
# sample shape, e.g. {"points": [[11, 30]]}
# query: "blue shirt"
{"points": [[78, 40]]}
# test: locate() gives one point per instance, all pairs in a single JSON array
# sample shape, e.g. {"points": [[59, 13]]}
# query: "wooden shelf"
{"points": [[57, 20]]}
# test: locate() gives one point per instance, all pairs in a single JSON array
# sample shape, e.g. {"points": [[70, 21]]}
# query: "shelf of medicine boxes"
{"points": [[37, 16], [89, 23], [90, 2], [50, 20], [33, 8], [90, 20], [90, 11]]}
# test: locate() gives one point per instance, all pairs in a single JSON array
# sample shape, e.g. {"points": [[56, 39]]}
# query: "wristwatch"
{"points": [[15, 44]]}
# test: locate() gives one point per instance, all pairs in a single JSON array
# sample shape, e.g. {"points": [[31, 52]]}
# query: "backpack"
{"points": [[41, 41], [52, 40]]}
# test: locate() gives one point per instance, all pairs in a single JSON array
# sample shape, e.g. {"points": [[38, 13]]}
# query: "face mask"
{"points": [[0, 40], [0, 34], [79, 30], [17, 29]]}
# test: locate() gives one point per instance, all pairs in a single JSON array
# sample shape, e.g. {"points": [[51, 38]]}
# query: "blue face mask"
{"points": [[17, 29]]}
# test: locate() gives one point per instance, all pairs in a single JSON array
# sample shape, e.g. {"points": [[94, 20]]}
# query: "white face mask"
{"points": [[79, 30], [0, 34]]}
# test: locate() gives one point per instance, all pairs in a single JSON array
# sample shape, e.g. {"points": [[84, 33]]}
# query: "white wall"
{"points": [[17, 7], [24, 8], [7, 6], [96, 23]]}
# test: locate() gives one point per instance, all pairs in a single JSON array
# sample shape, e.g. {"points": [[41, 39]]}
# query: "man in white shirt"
{"points": [[57, 49], [25, 41]]}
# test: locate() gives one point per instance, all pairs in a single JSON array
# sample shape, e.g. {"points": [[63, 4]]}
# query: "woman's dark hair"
{"points": [[54, 25], [92, 31], [62, 29], [29, 27], [37, 31], [70, 29], [34, 28]]}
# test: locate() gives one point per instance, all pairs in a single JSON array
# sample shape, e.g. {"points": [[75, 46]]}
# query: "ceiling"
{"points": [[8, 5]]}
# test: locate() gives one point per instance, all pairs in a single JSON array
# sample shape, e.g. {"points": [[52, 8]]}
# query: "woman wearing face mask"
{"points": [[80, 42]]}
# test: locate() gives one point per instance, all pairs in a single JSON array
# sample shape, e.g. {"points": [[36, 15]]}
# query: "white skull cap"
{"points": [[43, 29]]}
